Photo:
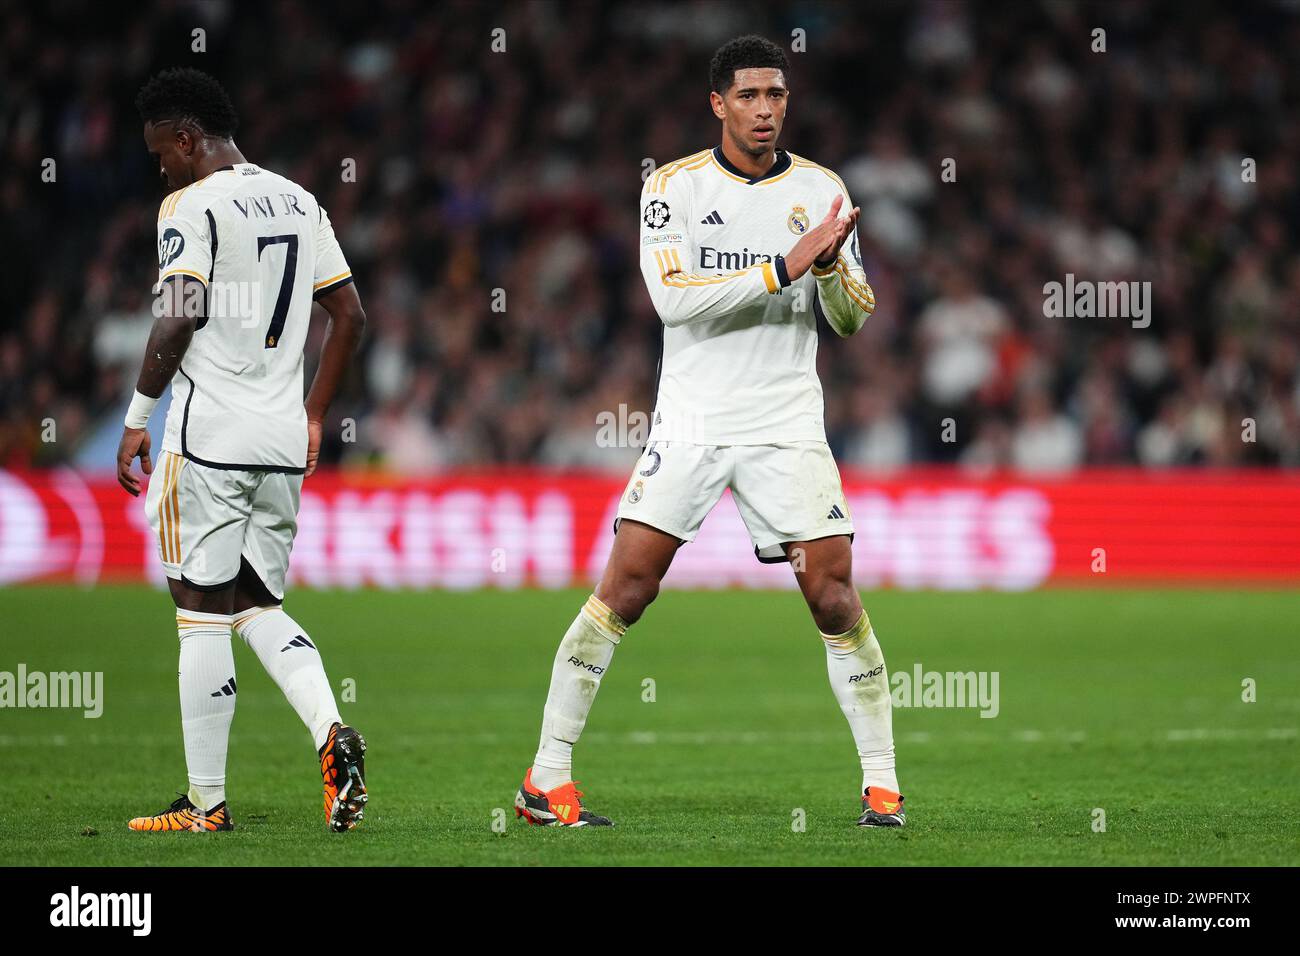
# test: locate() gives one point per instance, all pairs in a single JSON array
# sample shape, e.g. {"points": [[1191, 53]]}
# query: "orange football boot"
{"points": [[342, 769], [560, 807], [184, 815], [882, 808]]}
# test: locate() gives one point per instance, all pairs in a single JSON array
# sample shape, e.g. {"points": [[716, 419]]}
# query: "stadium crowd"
{"points": [[492, 219]]}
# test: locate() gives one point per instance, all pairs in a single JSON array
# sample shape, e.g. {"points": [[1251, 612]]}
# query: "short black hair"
{"points": [[744, 53], [185, 93]]}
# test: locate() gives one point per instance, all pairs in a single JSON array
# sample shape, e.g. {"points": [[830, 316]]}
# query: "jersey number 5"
{"points": [[286, 284]]}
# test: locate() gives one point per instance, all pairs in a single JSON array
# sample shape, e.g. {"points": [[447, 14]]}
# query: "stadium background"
{"points": [[519, 171], [1088, 454]]}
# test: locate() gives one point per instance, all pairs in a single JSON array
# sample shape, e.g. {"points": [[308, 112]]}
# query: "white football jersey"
{"points": [[739, 364], [264, 250]]}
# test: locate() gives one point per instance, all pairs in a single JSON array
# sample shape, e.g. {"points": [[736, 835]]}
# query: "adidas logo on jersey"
{"points": [[227, 689], [299, 641], [712, 219], [835, 513]]}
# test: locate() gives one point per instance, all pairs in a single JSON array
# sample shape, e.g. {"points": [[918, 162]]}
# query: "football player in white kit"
{"points": [[242, 254], [743, 246]]}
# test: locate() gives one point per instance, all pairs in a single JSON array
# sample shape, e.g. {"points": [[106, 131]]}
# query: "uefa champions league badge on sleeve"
{"points": [[656, 214], [798, 220]]}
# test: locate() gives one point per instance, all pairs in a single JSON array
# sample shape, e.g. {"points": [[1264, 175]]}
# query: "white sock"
{"points": [[580, 663], [857, 672], [293, 662], [207, 685]]}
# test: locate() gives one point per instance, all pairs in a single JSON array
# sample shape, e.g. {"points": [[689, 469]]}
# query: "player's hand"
{"points": [[829, 254], [135, 441], [826, 234], [313, 446]]}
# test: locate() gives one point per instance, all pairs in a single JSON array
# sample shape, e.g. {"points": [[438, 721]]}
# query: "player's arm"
{"points": [[337, 294], [680, 294], [184, 265], [842, 290], [342, 336]]}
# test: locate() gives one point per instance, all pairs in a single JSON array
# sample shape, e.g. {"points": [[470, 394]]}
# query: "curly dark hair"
{"points": [[187, 94], [744, 53]]}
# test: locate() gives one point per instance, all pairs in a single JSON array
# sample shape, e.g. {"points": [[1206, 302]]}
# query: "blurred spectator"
{"points": [[881, 439], [1045, 440], [959, 333]]}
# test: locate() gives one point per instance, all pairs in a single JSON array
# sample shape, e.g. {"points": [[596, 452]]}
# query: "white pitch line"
{"points": [[1226, 733]]}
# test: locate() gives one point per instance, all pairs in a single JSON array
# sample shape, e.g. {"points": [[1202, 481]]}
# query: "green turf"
{"points": [[1129, 701]]}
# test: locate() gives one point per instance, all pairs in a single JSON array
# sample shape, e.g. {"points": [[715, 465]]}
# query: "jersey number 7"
{"points": [[286, 284]]}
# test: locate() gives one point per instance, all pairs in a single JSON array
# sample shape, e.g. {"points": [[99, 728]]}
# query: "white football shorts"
{"points": [[206, 519], [785, 492]]}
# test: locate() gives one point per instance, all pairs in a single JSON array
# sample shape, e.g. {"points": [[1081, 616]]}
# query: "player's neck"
{"points": [[219, 156], [751, 165]]}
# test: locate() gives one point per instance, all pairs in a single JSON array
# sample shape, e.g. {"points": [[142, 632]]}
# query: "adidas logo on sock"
{"points": [[712, 219], [227, 689], [299, 641], [835, 513]]}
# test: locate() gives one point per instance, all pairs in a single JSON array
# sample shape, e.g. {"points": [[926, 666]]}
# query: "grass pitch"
{"points": [[1125, 701]]}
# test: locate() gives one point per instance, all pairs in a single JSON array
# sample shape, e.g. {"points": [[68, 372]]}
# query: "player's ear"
{"points": [[718, 104]]}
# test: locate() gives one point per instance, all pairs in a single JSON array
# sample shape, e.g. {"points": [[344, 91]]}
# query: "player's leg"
{"points": [[289, 653], [855, 665], [638, 561], [640, 558], [198, 515], [792, 501], [671, 490]]}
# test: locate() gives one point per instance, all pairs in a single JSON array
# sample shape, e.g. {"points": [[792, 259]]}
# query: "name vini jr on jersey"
{"points": [[263, 207]]}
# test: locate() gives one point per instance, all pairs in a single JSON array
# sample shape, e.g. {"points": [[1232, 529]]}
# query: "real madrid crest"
{"points": [[635, 494], [798, 221]]}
